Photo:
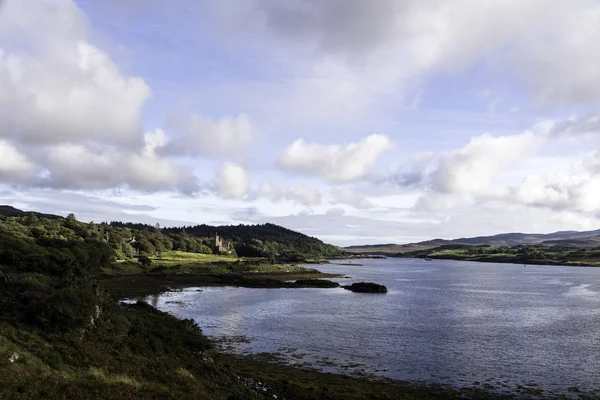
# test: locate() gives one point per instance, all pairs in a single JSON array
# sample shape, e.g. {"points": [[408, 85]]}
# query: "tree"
{"points": [[145, 247], [145, 261]]}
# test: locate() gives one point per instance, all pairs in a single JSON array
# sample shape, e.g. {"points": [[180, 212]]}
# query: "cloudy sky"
{"points": [[353, 121]]}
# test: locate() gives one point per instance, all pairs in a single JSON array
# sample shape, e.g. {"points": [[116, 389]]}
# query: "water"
{"points": [[458, 323]]}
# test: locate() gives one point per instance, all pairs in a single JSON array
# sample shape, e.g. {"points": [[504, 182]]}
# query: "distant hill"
{"points": [[258, 240], [396, 248], [592, 241], [572, 238], [10, 211]]}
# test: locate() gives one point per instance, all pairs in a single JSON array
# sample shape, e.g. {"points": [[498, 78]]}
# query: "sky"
{"points": [[354, 121]]}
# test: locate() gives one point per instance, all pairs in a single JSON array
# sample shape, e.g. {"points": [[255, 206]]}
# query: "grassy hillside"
{"points": [[178, 262]]}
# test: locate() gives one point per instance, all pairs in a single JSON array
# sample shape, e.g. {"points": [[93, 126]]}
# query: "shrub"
{"points": [[145, 261]]}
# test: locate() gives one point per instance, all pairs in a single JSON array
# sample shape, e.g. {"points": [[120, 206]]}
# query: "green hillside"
{"points": [[127, 239]]}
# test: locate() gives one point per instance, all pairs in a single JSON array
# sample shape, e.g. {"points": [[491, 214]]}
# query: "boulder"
{"points": [[366, 287]]}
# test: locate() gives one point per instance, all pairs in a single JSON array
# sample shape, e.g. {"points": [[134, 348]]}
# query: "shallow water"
{"points": [[464, 324]]}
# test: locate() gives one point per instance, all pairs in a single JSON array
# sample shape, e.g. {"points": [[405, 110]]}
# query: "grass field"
{"points": [[178, 262], [179, 257], [176, 269]]}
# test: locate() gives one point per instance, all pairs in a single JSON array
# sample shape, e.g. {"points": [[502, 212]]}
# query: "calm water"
{"points": [[464, 324]]}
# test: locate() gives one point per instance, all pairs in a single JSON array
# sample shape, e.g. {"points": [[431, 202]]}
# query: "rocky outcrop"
{"points": [[366, 287], [315, 283]]}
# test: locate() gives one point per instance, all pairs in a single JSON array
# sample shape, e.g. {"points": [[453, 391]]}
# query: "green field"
{"points": [[179, 262]]}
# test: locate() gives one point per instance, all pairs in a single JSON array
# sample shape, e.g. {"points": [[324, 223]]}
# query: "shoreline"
{"points": [[269, 373], [496, 261], [487, 260], [143, 284], [291, 382]]}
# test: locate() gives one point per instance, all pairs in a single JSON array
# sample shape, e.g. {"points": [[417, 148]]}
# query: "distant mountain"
{"points": [[591, 241], [572, 238], [10, 211], [396, 248]]}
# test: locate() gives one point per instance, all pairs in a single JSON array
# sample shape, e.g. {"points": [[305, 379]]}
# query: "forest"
{"points": [[128, 239]]}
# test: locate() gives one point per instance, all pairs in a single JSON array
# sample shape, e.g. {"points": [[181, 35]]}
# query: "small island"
{"points": [[366, 287]]}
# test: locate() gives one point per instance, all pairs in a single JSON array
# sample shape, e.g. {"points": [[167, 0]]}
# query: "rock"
{"points": [[366, 287], [316, 283]]}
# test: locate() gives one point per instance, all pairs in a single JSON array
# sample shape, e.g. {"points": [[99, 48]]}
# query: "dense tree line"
{"points": [[133, 239], [48, 282], [266, 241]]}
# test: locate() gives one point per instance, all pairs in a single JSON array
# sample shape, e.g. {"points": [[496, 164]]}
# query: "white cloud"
{"points": [[75, 166], [303, 194], [336, 211], [201, 135], [231, 181], [333, 162], [76, 114], [13, 164], [558, 60], [350, 55], [468, 175], [592, 163], [56, 86], [415, 171], [470, 170], [436, 203], [349, 197], [152, 172], [562, 192], [488, 169], [271, 191]]}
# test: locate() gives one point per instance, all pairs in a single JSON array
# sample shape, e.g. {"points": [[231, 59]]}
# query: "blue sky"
{"points": [[353, 121]]}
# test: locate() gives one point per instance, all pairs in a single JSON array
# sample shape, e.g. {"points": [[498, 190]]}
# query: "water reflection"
{"points": [[448, 321]]}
